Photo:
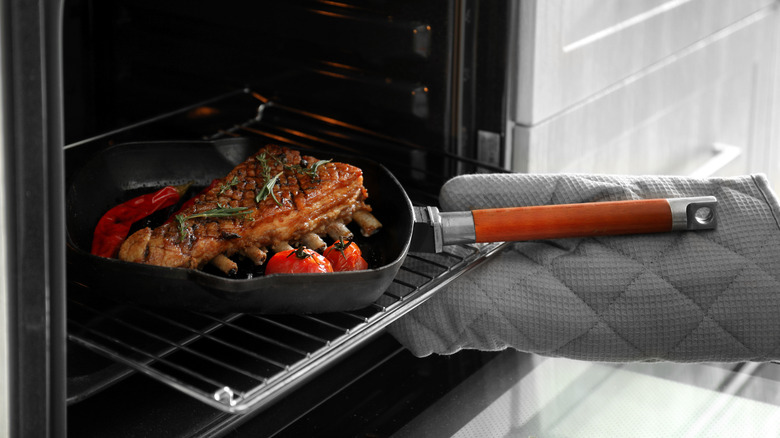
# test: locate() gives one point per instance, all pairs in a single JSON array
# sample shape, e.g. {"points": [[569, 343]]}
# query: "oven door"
{"points": [[5, 392], [32, 250], [524, 395]]}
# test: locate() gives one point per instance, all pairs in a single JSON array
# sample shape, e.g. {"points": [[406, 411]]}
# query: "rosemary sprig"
{"points": [[303, 167], [268, 189], [265, 168], [220, 211], [224, 187], [312, 170], [270, 182]]}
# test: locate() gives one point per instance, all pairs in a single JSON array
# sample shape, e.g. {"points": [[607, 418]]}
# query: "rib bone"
{"points": [[313, 241], [224, 264], [368, 223], [257, 255], [338, 230], [281, 246]]}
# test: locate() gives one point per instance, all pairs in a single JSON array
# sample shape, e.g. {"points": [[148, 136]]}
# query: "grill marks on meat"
{"points": [[308, 203]]}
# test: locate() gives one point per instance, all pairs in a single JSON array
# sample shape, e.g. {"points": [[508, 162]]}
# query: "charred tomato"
{"points": [[297, 261], [345, 256]]}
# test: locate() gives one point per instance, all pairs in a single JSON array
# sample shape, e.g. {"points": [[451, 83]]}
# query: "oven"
{"points": [[396, 82], [428, 89]]}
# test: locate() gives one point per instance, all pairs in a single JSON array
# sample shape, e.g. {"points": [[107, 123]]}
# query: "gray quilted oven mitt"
{"points": [[687, 296]]}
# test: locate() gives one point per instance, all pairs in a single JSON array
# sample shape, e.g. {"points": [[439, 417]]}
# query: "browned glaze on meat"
{"points": [[309, 197]]}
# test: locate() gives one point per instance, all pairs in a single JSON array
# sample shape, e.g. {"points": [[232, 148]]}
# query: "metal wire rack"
{"points": [[241, 362]]}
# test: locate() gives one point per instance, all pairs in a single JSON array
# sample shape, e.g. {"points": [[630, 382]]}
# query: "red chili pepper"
{"points": [[113, 227], [345, 256]]}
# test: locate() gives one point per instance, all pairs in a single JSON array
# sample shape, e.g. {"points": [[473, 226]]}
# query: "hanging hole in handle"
{"points": [[704, 215]]}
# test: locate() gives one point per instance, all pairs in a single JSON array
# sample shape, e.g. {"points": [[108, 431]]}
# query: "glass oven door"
{"points": [[524, 395]]}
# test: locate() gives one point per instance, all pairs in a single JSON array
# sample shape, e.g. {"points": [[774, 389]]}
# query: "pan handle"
{"points": [[593, 219], [569, 220]]}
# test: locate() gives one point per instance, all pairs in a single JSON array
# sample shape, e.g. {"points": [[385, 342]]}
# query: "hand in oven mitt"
{"points": [[687, 296]]}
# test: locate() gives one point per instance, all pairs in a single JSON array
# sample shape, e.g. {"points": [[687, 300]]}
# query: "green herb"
{"points": [[224, 187], [220, 211], [268, 189], [303, 167], [266, 169], [312, 170], [270, 182]]}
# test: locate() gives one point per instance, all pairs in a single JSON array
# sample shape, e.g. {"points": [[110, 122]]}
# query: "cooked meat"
{"points": [[274, 198]]}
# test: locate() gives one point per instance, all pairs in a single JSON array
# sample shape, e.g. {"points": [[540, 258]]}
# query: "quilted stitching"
{"points": [[691, 296]]}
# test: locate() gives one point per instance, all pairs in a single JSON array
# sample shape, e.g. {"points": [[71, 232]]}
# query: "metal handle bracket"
{"points": [[698, 213]]}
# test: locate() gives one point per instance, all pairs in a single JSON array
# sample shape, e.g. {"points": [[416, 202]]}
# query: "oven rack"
{"points": [[239, 363]]}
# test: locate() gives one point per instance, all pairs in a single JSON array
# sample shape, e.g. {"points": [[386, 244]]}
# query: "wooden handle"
{"points": [[572, 220]]}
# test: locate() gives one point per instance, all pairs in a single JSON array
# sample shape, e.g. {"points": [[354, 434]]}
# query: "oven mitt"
{"points": [[688, 296]]}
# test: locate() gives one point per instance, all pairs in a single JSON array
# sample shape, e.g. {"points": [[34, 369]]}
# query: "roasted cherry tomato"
{"points": [[345, 256], [297, 261]]}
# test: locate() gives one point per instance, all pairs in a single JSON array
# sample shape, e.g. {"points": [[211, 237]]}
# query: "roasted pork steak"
{"points": [[275, 198]]}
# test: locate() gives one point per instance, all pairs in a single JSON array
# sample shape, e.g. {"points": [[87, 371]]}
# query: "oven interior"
{"points": [[378, 79]]}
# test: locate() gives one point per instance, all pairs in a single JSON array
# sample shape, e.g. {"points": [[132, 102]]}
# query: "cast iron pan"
{"points": [[121, 172]]}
